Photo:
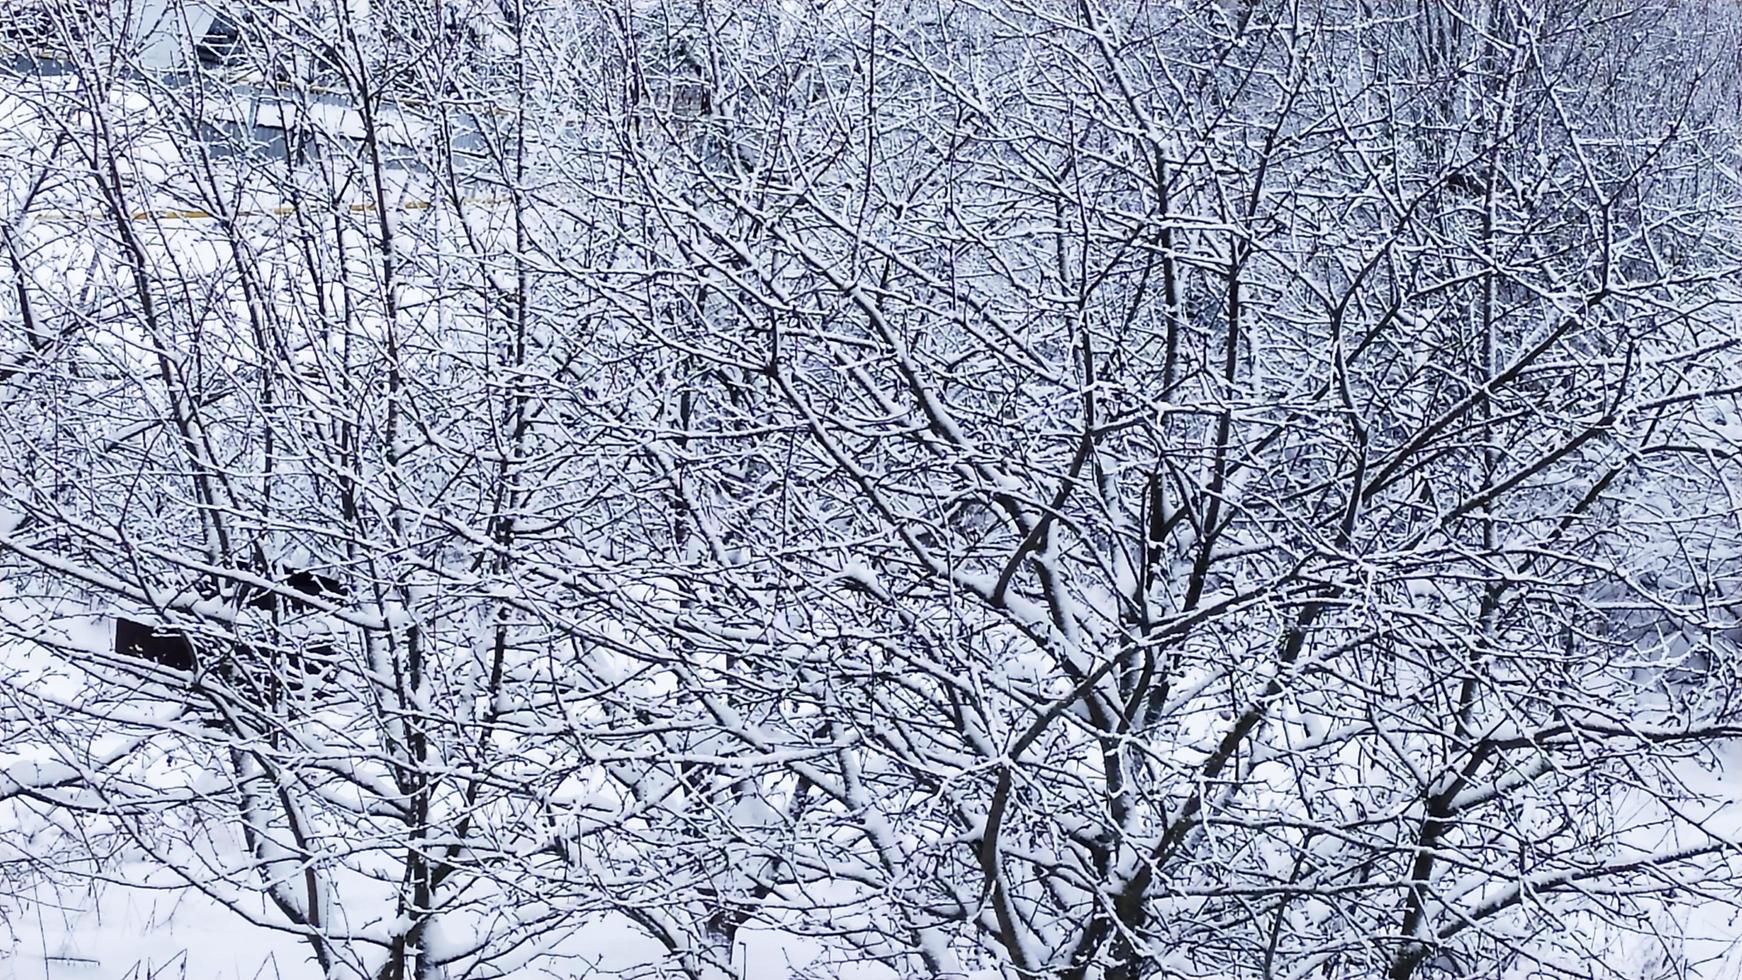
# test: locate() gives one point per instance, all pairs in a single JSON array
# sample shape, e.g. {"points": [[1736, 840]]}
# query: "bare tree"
{"points": [[1086, 490]]}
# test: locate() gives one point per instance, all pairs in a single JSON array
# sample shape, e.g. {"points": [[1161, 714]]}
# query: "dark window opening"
{"points": [[222, 45]]}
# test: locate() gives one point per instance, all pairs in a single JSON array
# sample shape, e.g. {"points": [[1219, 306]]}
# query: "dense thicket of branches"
{"points": [[1073, 488]]}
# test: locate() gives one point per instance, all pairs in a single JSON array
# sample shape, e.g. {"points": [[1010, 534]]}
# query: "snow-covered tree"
{"points": [[1073, 489]]}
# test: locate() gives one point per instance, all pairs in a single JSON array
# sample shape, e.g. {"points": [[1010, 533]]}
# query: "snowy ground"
{"points": [[134, 933], [128, 932]]}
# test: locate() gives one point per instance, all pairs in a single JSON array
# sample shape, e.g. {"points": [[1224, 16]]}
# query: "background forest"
{"points": [[1082, 489]]}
